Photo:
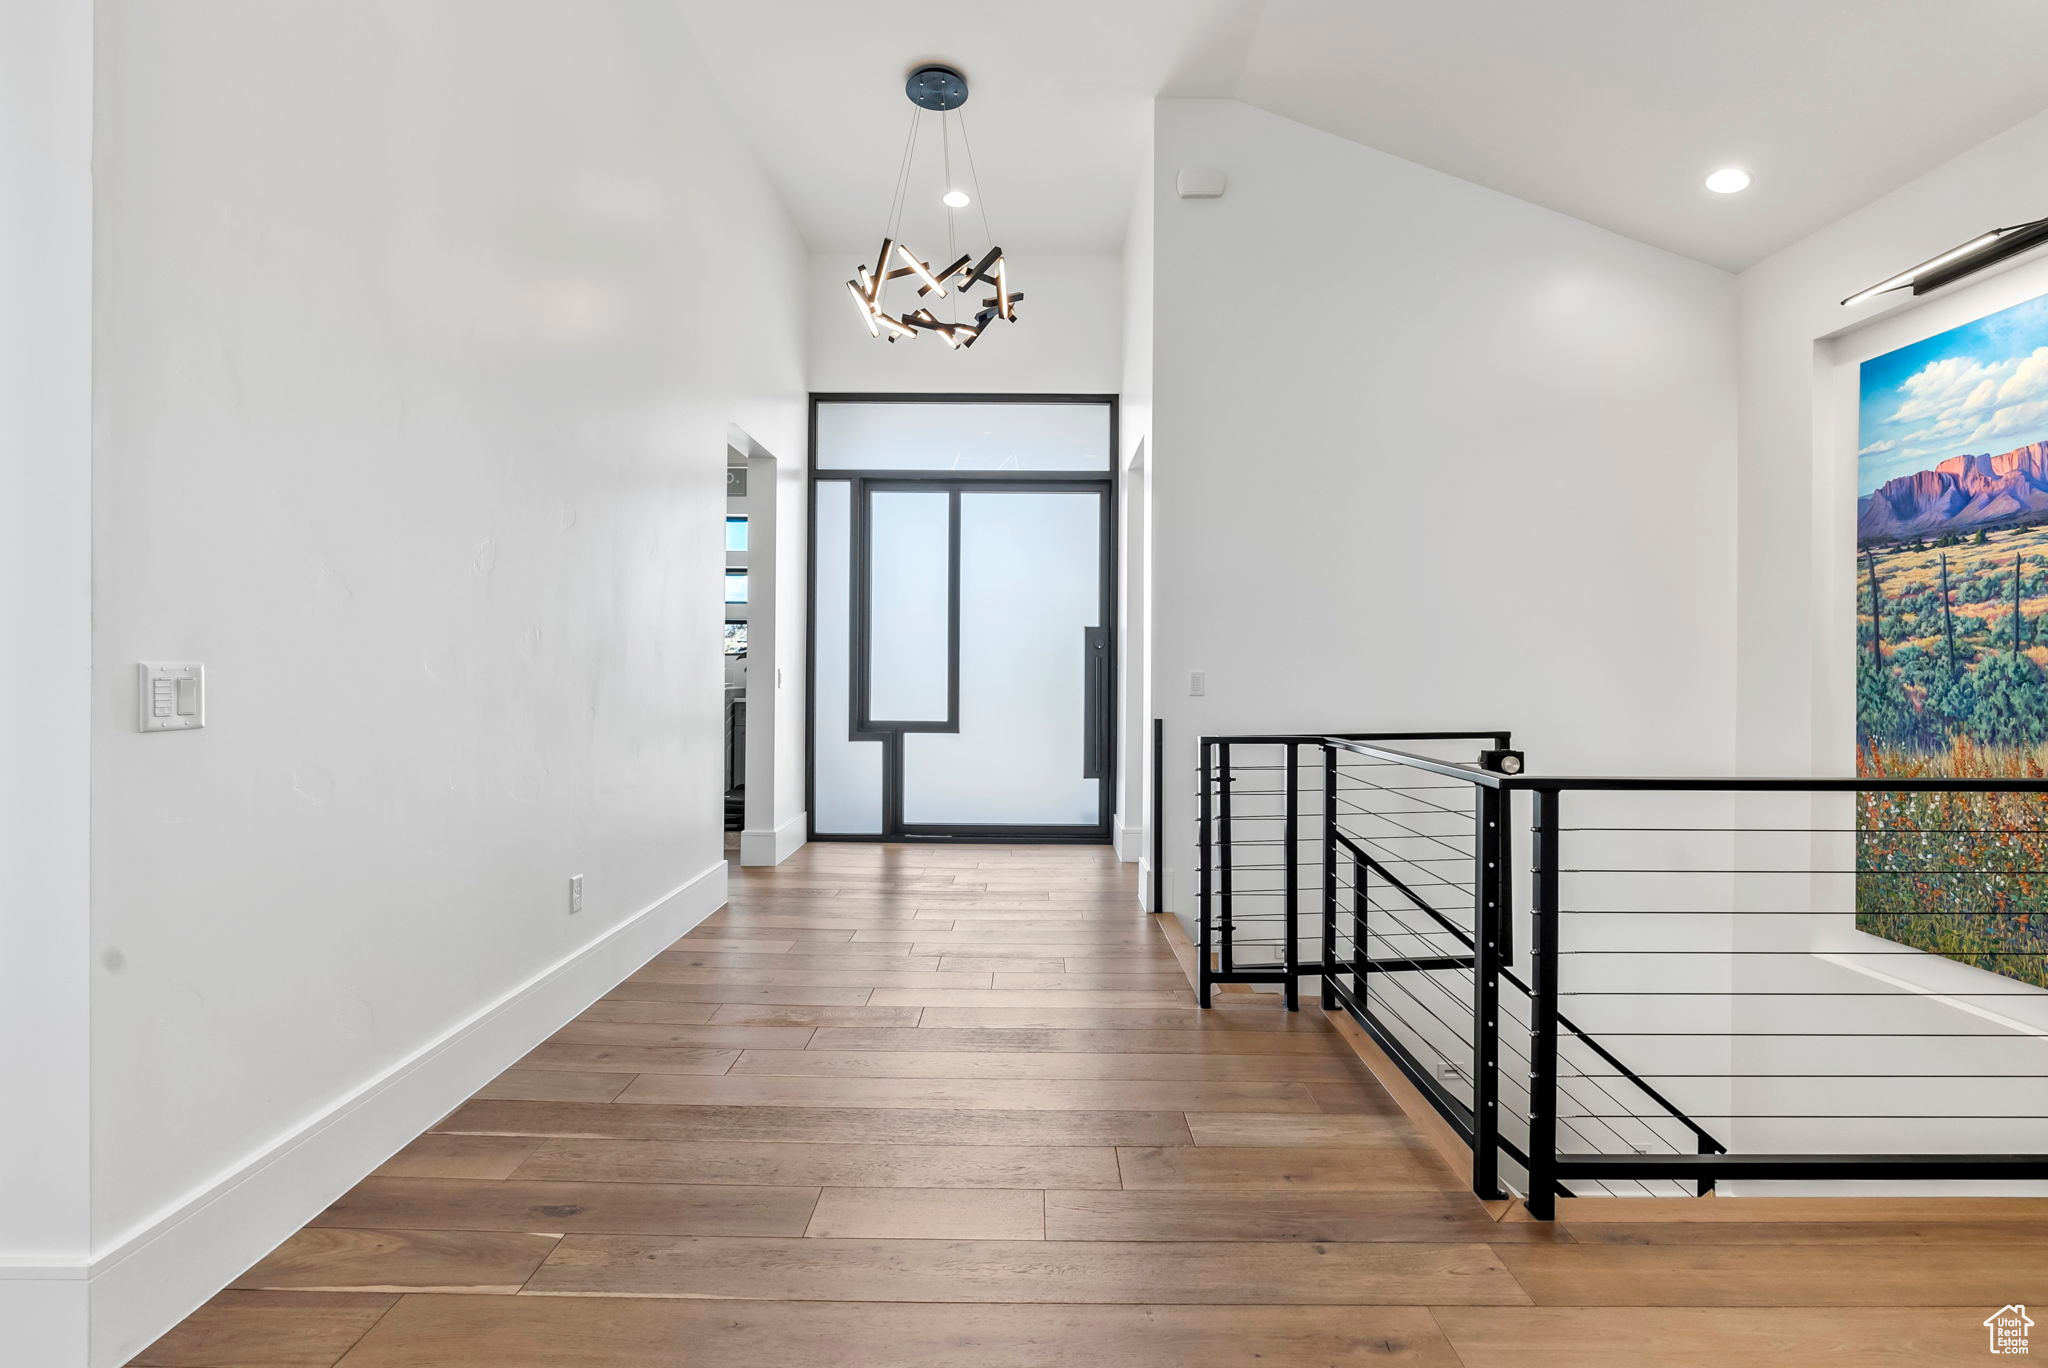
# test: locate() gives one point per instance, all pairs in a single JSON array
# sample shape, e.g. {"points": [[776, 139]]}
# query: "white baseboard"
{"points": [[1129, 842], [772, 847], [44, 1316], [160, 1272]]}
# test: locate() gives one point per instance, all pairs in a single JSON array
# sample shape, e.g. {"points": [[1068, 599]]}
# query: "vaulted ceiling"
{"points": [[1612, 111]]}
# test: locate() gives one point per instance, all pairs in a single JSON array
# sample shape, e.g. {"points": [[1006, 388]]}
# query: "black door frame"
{"points": [[1103, 709]]}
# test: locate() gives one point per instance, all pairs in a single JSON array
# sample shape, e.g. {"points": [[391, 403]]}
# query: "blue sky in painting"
{"points": [[1982, 387]]}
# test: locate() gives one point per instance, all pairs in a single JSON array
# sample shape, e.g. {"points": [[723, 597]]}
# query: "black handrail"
{"points": [[1722, 783], [1217, 951], [1448, 768], [1704, 1136]]}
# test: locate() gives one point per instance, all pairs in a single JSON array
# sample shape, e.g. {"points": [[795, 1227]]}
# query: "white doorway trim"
{"points": [[1133, 645], [772, 590]]}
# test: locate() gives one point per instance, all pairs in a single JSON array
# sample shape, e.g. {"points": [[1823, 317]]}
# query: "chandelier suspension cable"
{"points": [[946, 160], [903, 170], [987, 234], [1005, 301]]}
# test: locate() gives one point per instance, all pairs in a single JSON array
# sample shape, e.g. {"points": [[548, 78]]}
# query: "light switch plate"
{"points": [[170, 695]]}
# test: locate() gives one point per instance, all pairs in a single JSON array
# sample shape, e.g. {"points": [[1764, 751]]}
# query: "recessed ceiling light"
{"points": [[955, 199], [1728, 180]]}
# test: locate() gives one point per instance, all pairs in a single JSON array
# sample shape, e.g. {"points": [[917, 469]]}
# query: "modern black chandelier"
{"points": [[940, 90]]}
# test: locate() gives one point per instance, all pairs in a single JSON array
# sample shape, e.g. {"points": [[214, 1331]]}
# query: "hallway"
{"points": [[953, 1106]]}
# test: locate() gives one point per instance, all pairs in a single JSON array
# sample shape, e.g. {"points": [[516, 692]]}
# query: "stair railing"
{"points": [[1679, 919]]}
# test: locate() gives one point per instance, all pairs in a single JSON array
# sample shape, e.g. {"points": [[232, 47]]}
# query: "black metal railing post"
{"points": [[1203, 838], [1329, 872], [1489, 821], [1543, 966], [1361, 933], [1290, 875], [1506, 879], [1157, 818], [1226, 959]]}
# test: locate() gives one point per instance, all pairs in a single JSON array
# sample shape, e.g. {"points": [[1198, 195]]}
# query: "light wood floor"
{"points": [[918, 1107]]}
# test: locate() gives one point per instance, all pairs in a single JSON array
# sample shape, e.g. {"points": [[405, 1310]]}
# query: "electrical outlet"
{"points": [[1198, 683], [575, 894]]}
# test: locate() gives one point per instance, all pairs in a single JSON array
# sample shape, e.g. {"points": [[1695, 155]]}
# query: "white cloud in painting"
{"points": [[1961, 401], [1877, 448], [2013, 418], [2029, 377], [1937, 388]]}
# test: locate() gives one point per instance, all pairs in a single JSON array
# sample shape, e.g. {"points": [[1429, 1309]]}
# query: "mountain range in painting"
{"points": [[1961, 494]]}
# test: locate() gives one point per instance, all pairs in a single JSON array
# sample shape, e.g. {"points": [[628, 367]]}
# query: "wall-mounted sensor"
{"points": [[171, 695], [1200, 182]]}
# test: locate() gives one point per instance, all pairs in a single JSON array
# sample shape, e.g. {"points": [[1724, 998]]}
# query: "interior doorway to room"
{"points": [[962, 616], [739, 608], [759, 804]]}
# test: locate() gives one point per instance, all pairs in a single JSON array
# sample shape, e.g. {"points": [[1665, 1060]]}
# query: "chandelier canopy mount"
{"points": [[937, 88]]}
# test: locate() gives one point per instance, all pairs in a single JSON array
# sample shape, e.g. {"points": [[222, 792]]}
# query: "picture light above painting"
{"points": [[1979, 253]]}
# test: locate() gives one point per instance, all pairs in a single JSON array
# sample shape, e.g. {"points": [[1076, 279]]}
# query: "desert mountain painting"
{"points": [[1952, 641]]}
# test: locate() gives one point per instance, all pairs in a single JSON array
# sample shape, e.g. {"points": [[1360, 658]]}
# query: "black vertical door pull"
{"points": [[1095, 701]]}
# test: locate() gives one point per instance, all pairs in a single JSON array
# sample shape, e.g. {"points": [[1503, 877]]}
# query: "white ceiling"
{"points": [[1609, 110], [1059, 104]]}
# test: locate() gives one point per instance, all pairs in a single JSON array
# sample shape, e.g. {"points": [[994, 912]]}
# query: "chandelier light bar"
{"points": [[940, 90], [1968, 259]]}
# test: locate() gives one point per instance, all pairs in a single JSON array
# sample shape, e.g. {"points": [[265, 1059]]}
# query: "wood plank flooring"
{"points": [[925, 1106]]}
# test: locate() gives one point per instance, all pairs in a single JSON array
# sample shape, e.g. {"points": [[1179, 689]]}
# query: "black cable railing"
{"points": [[1721, 945]]}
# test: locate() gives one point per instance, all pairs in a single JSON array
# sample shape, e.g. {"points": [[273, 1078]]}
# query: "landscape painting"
{"points": [[1952, 640]]}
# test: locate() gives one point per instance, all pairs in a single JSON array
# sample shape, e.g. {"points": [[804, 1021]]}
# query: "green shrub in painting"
{"points": [[2008, 711]]}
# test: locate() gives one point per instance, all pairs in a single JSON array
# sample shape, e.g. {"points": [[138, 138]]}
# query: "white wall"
{"points": [[1427, 456], [1134, 430], [1066, 339], [1796, 538], [415, 367], [1139, 268], [45, 622]]}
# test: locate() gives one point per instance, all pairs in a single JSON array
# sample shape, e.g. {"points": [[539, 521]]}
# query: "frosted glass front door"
{"points": [[963, 670], [1027, 752]]}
